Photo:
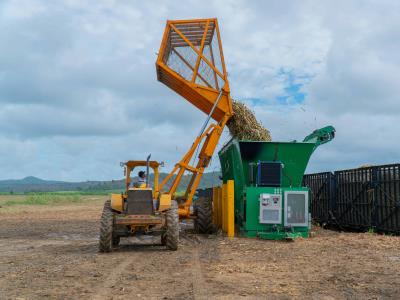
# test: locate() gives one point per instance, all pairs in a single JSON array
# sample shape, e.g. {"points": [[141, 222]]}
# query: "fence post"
{"points": [[332, 198], [374, 205]]}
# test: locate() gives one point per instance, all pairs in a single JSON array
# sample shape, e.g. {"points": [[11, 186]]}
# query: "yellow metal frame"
{"points": [[224, 208], [117, 202], [186, 33], [214, 101]]}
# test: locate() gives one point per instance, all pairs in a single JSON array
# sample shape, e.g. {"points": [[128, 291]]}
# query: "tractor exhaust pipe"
{"points": [[147, 170]]}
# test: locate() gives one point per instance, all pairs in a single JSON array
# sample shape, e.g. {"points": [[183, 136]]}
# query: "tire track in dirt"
{"points": [[198, 283], [106, 290], [199, 288]]}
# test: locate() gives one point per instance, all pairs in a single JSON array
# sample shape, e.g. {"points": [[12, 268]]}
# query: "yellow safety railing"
{"points": [[223, 208]]}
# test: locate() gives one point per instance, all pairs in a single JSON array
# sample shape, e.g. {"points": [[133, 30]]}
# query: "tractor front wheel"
{"points": [[171, 237], [106, 240]]}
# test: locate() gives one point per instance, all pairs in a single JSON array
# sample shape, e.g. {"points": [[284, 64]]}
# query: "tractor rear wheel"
{"points": [[115, 241], [163, 239], [171, 237], [106, 240], [203, 223]]}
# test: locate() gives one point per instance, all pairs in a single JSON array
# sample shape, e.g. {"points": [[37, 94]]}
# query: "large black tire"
{"points": [[203, 223], [163, 239], [106, 240], [115, 241], [172, 231]]}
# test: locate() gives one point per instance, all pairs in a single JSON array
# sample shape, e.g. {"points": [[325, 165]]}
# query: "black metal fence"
{"points": [[357, 199]]}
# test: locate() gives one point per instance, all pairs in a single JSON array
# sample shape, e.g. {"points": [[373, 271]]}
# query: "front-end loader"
{"points": [[190, 62], [136, 212]]}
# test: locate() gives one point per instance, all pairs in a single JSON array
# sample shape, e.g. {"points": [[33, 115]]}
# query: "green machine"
{"points": [[270, 201]]}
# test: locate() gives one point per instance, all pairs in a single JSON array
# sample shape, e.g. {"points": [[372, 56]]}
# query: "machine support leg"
{"points": [[230, 208]]}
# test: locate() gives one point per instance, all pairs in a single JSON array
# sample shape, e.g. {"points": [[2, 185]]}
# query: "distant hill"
{"points": [[26, 181], [34, 184]]}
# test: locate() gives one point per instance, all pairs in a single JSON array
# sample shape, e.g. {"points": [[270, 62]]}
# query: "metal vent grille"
{"points": [[270, 216], [139, 202], [269, 174]]}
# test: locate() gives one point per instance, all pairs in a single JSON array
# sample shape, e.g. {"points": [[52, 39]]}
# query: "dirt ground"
{"points": [[50, 252]]}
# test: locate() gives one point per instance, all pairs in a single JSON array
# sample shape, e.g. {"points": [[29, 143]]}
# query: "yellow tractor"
{"points": [[190, 62], [136, 212]]}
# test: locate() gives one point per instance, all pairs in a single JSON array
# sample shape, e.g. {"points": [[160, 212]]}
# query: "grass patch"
{"points": [[100, 192], [45, 199], [83, 193]]}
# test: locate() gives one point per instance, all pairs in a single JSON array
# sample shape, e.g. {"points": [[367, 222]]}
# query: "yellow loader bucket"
{"points": [[191, 62]]}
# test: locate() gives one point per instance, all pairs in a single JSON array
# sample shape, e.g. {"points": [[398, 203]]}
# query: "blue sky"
{"points": [[78, 88], [292, 92]]}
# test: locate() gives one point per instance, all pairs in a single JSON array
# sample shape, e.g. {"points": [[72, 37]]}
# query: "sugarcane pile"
{"points": [[243, 125]]}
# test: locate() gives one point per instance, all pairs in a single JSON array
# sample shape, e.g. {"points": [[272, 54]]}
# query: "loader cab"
{"points": [[149, 191], [131, 165], [139, 196]]}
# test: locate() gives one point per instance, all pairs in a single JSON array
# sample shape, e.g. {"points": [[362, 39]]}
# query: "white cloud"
{"points": [[78, 89]]}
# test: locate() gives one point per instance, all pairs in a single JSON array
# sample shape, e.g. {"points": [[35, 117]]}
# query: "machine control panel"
{"points": [[270, 208]]}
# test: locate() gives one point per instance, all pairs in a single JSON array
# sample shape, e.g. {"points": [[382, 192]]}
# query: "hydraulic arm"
{"points": [[191, 62]]}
